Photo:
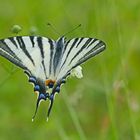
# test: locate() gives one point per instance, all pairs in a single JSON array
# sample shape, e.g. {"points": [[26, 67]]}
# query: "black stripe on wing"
{"points": [[58, 53], [79, 41], [13, 41], [7, 56], [7, 49], [96, 50], [51, 55], [67, 43], [23, 47], [73, 44], [87, 44], [40, 45], [7, 53], [32, 40]]}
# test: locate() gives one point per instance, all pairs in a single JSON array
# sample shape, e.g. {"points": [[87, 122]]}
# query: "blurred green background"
{"points": [[105, 104]]}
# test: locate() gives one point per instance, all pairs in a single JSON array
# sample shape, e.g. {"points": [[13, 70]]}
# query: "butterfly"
{"points": [[47, 62]]}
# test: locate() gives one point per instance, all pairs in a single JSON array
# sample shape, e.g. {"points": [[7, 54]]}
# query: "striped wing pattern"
{"points": [[75, 52], [47, 59], [31, 53]]}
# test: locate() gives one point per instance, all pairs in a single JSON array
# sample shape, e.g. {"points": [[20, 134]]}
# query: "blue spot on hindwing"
{"points": [[37, 88], [32, 79], [57, 89], [42, 96]]}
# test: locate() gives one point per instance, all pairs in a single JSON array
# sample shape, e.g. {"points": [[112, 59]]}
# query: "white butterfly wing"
{"points": [[75, 52], [31, 53], [47, 59]]}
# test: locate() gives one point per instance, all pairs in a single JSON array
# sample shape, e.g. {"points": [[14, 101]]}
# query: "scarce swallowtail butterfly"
{"points": [[48, 63]]}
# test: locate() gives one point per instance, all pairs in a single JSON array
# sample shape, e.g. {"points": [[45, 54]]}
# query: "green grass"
{"points": [[105, 104]]}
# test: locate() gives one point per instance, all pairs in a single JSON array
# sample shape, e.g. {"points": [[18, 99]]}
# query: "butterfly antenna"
{"points": [[50, 107], [53, 28], [37, 105], [72, 29]]}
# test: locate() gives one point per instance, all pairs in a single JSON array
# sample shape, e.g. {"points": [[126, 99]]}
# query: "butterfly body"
{"points": [[48, 63]]}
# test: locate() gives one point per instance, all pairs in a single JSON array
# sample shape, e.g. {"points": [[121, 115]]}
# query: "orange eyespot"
{"points": [[49, 81]]}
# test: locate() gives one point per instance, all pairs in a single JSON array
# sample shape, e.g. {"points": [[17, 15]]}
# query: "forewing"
{"points": [[31, 53], [76, 51]]}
